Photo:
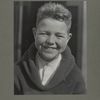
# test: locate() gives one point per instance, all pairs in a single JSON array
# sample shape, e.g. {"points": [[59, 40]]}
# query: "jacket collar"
{"points": [[62, 72]]}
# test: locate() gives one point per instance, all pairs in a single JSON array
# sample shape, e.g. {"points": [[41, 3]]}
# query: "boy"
{"points": [[48, 66]]}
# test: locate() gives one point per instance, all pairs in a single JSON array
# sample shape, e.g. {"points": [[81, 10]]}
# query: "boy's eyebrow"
{"points": [[46, 31], [60, 33], [43, 32]]}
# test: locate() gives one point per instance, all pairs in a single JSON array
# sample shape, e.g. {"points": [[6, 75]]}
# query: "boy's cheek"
{"points": [[40, 39]]}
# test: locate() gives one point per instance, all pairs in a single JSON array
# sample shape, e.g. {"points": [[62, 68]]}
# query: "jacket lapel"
{"points": [[62, 72]]}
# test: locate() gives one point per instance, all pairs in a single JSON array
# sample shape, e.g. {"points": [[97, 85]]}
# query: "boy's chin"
{"points": [[48, 57]]}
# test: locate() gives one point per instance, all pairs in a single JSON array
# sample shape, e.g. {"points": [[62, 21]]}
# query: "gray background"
{"points": [[6, 55]]}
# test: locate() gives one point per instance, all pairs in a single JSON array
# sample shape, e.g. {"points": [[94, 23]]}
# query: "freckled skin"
{"points": [[51, 38]]}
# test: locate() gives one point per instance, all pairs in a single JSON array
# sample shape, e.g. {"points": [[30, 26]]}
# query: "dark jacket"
{"points": [[67, 79]]}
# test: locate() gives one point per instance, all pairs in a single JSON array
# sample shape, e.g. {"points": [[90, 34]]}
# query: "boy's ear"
{"points": [[69, 36], [34, 31]]}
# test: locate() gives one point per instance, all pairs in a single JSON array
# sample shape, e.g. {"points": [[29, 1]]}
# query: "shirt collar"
{"points": [[53, 64]]}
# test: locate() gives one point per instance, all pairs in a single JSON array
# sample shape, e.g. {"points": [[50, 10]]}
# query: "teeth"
{"points": [[47, 47], [50, 47]]}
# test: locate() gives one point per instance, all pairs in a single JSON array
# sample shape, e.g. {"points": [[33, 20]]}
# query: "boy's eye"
{"points": [[43, 33], [60, 36]]}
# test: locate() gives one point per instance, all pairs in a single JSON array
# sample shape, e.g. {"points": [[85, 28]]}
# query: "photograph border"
{"points": [[7, 53]]}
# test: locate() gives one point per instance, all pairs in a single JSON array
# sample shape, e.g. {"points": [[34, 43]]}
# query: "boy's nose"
{"points": [[51, 40]]}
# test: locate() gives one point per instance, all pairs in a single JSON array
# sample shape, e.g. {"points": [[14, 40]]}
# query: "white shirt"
{"points": [[47, 70]]}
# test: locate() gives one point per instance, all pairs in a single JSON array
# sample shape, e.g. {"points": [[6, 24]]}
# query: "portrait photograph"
{"points": [[49, 50], [50, 54]]}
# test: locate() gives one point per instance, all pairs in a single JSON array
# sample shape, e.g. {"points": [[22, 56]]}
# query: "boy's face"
{"points": [[51, 38]]}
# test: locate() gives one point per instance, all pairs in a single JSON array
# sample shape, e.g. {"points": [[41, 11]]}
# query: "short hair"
{"points": [[55, 11]]}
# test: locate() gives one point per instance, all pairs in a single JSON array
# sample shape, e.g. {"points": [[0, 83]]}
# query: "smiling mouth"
{"points": [[48, 47]]}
